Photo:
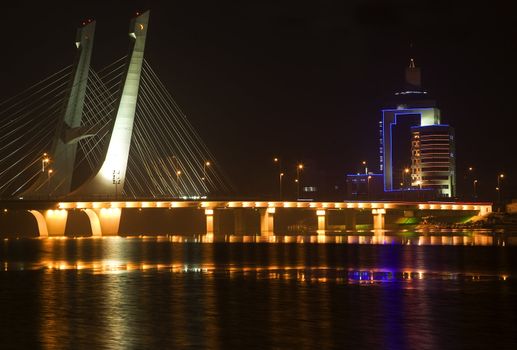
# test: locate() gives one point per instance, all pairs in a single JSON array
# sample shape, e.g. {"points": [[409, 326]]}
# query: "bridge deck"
{"points": [[483, 207]]}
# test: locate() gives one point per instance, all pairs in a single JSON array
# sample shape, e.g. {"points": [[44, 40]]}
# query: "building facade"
{"points": [[416, 150], [433, 159]]}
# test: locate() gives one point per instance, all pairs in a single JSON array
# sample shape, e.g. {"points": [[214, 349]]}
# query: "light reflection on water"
{"points": [[438, 291], [404, 237], [319, 274], [429, 237]]}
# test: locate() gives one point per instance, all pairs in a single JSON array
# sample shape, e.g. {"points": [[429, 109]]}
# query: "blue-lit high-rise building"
{"points": [[416, 150]]}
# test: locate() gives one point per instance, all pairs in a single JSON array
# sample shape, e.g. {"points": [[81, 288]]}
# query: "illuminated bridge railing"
{"points": [[482, 207]]}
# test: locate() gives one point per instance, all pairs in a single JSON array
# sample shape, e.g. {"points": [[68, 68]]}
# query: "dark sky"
{"points": [[300, 80]]}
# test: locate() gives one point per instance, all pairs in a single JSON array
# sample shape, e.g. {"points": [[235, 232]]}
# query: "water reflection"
{"points": [[457, 237], [298, 273], [382, 237], [332, 292], [401, 252]]}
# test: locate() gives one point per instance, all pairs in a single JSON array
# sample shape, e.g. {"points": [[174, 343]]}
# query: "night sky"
{"points": [[303, 81]]}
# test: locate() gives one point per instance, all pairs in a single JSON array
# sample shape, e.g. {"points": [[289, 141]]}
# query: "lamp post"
{"points": [[474, 188], [116, 181], [299, 168], [419, 184], [205, 165], [178, 173], [365, 167], [280, 176], [44, 162], [205, 178], [498, 188], [278, 162], [404, 173], [368, 186], [470, 177], [49, 172]]}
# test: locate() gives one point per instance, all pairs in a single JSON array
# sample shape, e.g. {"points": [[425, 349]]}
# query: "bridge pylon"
{"points": [[111, 175], [63, 151]]}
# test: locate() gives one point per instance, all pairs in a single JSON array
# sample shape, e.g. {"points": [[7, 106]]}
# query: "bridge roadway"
{"points": [[105, 216]]}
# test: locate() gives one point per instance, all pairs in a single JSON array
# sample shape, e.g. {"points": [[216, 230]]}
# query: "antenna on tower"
{"points": [[413, 75]]}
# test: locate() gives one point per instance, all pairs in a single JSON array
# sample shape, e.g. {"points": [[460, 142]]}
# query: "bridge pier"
{"points": [[378, 218], [322, 220], [350, 219], [267, 222], [104, 222], [209, 215], [239, 221], [51, 223]]}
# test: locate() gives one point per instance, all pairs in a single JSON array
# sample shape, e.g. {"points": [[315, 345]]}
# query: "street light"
{"points": [[299, 168], [280, 176], [365, 167], [368, 186], [404, 173], [50, 171], [44, 162], [278, 162], [419, 184], [470, 177], [205, 165], [178, 173], [474, 185], [498, 188]]}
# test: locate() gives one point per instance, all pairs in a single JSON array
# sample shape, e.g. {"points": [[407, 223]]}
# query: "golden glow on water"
{"points": [[457, 237], [179, 292], [320, 274], [118, 255]]}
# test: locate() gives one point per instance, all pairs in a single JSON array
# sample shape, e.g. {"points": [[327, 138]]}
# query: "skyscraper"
{"points": [[411, 117], [433, 159]]}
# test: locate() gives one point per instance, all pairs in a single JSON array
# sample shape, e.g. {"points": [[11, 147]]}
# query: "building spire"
{"points": [[413, 76]]}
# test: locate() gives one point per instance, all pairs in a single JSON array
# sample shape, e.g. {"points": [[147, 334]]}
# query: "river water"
{"points": [[399, 290]]}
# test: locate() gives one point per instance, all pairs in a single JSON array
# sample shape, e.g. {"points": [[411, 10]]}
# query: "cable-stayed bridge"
{"points": [[112, 133], [91, 147]]}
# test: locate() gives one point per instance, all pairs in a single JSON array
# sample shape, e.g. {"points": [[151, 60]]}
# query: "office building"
{"points": [[433, 159], [413, 113]]}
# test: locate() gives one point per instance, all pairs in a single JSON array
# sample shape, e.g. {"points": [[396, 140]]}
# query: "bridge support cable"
{"points": [[98, 113], [29, 120], [99, 108], [167, 157], [64, 146], [219, 180], [166, 150]]}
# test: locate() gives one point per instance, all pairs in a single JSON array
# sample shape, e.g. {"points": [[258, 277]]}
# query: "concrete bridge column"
{"points": [[378, 218], [51, 223], [239, 221], [322, 220], [104, 222], [209, 215], [267, 223], [350, 219]]}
